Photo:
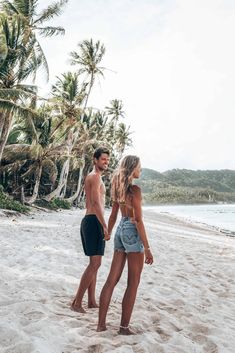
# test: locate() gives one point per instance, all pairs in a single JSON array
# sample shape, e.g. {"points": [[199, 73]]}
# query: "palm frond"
{"points": [[50, 168], [52, 10], [13, 166], [21, 152], [8, 7], [31, 89], [43, 59], [15, 93], [12, 107], [50, 31]]}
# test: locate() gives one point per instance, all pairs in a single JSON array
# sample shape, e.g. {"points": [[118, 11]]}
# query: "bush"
{"points": [[7, 203], [54, 204], [60, 203]]}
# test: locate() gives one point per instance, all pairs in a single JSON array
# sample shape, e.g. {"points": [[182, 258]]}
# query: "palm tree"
{"points": [[115, 110], [93, 133], [31, 160], [34, 22], [20, 56], [13, 93], [88, 59], [68, 96], [123, 138]]}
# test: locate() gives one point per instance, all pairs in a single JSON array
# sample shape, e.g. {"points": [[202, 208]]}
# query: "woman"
{"points": [[130, 242]]}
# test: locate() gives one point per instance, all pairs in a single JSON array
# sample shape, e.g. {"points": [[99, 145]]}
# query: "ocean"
{"points": [[221, 216]]}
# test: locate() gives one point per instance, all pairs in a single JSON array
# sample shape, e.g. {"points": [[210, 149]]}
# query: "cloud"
{"points": [[174, 64]]}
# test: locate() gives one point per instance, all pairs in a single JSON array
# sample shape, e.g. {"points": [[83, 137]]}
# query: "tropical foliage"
{"points": [[46, 145], [188, 186]]}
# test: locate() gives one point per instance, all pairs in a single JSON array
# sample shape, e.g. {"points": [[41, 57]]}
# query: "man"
{"points": [[94, 230]]}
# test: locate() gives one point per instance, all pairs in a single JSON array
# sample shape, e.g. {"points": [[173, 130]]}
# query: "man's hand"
{"points": [[106, 234]]}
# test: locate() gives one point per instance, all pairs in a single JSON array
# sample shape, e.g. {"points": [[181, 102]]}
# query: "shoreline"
{"points": [[191, 219], [185, 301]]}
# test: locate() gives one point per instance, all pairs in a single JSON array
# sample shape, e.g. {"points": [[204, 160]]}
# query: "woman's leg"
{"points": [[135, 266], [86, 280], [118, 263]]}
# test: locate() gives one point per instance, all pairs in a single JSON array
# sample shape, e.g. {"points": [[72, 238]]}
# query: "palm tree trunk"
{"points": [[34, 196], [60, 190], [5, 126], [65, 180], [62, 182], [73, 198], [89, 90]]}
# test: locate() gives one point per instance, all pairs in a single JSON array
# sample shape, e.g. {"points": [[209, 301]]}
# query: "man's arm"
{"points": [[96, 202]]}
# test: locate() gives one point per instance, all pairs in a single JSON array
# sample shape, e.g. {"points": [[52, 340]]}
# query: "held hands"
{"points": [[148, 256], [106, 234]]}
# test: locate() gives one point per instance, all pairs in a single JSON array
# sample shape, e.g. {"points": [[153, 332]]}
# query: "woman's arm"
{"points": [[113, 216], [136, 201]]}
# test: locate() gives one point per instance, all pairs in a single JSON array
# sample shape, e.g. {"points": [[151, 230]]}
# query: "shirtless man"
{"points": [[94, 230]]}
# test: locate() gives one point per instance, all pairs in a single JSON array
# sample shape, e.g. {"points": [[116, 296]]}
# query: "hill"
{"points": [[188, 186]]}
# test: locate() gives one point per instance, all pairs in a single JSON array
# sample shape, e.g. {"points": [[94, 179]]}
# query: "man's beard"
{"points": [[102, 169]]}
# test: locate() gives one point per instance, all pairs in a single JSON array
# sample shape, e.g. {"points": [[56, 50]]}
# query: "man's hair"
{"points": [[98, 152]]}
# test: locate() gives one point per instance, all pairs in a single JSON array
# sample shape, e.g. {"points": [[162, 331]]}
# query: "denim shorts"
{"points": [[127, 238]]}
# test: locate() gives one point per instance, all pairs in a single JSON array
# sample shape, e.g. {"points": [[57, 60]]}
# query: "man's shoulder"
{"points": [[93, 177]]}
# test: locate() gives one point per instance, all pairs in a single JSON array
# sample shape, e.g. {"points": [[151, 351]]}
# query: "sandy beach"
{"points": [[185, 302]]}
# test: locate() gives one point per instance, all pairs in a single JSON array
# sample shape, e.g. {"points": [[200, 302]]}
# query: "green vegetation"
{"points": [[46, 145], [7, 203], [181, 186], [55, 204]]}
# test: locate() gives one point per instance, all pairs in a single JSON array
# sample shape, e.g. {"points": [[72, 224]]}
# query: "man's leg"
{"points": [[135, 266], [118, 263], [91, 294], [87, 277]]}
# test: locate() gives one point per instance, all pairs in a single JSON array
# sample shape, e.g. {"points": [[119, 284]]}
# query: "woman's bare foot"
{"points": [[101, 328], [77, 308], [125, 331]]}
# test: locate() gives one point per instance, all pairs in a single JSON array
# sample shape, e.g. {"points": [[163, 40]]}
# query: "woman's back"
{"points": [[127, 206]]}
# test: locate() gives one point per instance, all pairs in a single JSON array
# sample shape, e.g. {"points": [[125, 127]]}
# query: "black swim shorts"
{"points": [[92, 235]]}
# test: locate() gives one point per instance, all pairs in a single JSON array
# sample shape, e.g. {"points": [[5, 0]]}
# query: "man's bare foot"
{"points": [[77, 308], [125, 331], [101, 328], [93, 305]]}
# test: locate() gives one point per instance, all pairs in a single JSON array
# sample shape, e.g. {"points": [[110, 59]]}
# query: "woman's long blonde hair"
{"points": [[122, 179]]}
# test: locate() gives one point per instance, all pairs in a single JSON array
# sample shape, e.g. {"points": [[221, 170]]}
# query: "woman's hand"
{"points": [[148, 256]]}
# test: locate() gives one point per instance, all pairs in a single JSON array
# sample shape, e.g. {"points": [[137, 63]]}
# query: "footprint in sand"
{"points": [[178, 302], [199, 335], [210, 347], [20, 348], [175, 328], [200, 339], [35, 315], [164, 336], [197, 328], [8, 337], [96, 348], [154, 348], [73, 323], [156, 318]]}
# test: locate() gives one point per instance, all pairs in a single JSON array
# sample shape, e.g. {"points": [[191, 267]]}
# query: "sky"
{"points": [[172, 63]]}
